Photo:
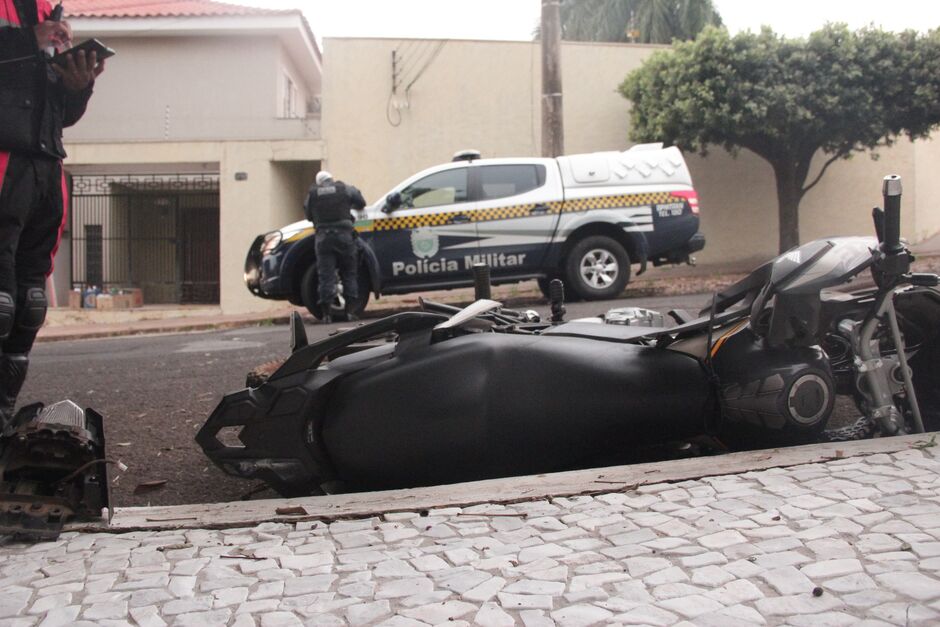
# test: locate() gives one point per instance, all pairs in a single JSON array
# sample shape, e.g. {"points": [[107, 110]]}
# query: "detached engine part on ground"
{"points": [[52, 468]]}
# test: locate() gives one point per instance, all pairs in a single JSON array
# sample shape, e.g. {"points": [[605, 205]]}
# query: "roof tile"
{"points": [[162, 8]]}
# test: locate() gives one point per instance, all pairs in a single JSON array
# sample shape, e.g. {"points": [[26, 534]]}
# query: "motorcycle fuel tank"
{"points": [[494, 405]]}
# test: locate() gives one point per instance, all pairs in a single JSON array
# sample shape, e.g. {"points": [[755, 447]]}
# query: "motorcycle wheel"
{"points": [[309, 288], [597, 268]]}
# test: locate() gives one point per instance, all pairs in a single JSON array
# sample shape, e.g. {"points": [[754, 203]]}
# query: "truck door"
{"points": [[518, 206], [424, 241]]}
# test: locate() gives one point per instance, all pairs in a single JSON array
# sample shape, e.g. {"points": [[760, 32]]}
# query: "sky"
{"points": [[516, 19]]}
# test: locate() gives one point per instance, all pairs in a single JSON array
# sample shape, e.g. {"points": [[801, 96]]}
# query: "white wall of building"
{"points": [[194, 88]]}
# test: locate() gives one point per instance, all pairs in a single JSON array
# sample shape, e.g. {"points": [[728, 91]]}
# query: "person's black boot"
{"points": [[12, 375], [326, 309]]}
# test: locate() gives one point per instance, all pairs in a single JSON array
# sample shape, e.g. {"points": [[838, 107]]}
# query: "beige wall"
{"points": [[926, 188], [476, 94], [290, 182], [842, 202], [278, 174], [739, 202], [189, 88], [486, 95], [459, 102]]}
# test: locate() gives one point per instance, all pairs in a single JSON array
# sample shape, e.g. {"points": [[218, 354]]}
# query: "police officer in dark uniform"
{"points": [[37, 99], [328, 206]]}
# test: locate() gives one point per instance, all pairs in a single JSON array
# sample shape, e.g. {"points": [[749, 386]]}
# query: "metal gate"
{"points": [[159, 233]]}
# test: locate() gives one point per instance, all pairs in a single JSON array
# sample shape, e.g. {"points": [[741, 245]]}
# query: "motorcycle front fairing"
{"points": [[434, 409], [797, 278]]}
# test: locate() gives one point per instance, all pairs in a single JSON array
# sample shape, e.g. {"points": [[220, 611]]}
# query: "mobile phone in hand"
{"points": [[89, 45]]}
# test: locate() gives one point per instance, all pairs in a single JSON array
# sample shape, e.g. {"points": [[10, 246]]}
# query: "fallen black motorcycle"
{"points": [[445, 395]]}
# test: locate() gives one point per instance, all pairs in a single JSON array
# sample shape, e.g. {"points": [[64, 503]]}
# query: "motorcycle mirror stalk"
{"points": [[556, 295], [298, 334]]}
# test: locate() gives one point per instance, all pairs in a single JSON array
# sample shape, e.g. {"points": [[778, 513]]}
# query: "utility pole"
{"points": [[553, 128]]}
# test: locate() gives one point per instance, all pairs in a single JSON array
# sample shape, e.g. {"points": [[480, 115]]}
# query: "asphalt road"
{"points": [[156, 391]]}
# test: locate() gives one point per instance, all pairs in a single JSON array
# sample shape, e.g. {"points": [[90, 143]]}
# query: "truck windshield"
{"points": [[441, 188]]}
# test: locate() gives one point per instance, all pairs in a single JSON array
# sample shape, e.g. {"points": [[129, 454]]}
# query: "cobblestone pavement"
{"points": [[850, 541]]}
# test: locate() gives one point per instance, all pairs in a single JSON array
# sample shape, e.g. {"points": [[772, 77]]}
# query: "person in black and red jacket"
{"points": [[37, 100]]}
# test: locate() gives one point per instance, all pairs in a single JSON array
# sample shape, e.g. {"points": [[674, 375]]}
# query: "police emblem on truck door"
{"points": [[424, 242], [423, 238]]}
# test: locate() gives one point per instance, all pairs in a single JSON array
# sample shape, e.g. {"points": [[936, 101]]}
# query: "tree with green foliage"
{"points": [[641, 21], [837, 91]]}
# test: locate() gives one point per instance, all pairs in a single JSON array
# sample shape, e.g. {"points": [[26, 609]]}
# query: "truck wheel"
{"points": [[597, 267], [309, 294]]}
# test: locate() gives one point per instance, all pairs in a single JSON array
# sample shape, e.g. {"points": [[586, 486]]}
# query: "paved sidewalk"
{"points": [[851, 541], [185, 321]]}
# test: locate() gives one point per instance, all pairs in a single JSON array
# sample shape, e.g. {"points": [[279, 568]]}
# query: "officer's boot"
{"points": [[12, 375], [327, 310], [351, 313]]}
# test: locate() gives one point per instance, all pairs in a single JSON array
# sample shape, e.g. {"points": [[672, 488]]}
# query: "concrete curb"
{"points": [[508, 490], [172, 325]]}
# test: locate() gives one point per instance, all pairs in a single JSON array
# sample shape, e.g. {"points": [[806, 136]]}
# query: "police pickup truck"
{"points": [[583, 218]]}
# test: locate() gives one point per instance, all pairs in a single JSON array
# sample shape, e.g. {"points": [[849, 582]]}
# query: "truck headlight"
{"points": [[271, 241]]}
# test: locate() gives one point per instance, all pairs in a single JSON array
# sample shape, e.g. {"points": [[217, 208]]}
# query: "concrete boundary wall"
{"points": [[485, 95]]}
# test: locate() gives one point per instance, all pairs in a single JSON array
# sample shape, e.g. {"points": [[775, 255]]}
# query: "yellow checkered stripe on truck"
{"points": [[624, 200], [524, 211]]}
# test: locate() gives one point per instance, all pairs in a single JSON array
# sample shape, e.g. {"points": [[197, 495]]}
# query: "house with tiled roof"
{"points": [[203, 131]]}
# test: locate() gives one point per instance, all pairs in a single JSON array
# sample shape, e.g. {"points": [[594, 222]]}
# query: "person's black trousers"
{"points": [[33, 199], [336, 248]]}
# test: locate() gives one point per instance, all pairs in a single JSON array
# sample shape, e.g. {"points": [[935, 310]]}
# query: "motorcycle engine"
{"points": [[772, 395], [52, 468]]}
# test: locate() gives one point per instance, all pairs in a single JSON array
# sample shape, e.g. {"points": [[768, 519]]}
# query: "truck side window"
{"points": [[441, 188], [501, 181]]}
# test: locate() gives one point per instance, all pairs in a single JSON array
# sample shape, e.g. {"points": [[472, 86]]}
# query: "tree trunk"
{"points": [[789, 194]]}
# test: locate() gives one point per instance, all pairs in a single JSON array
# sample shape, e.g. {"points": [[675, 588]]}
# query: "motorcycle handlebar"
{"points": [[891, 190]]}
